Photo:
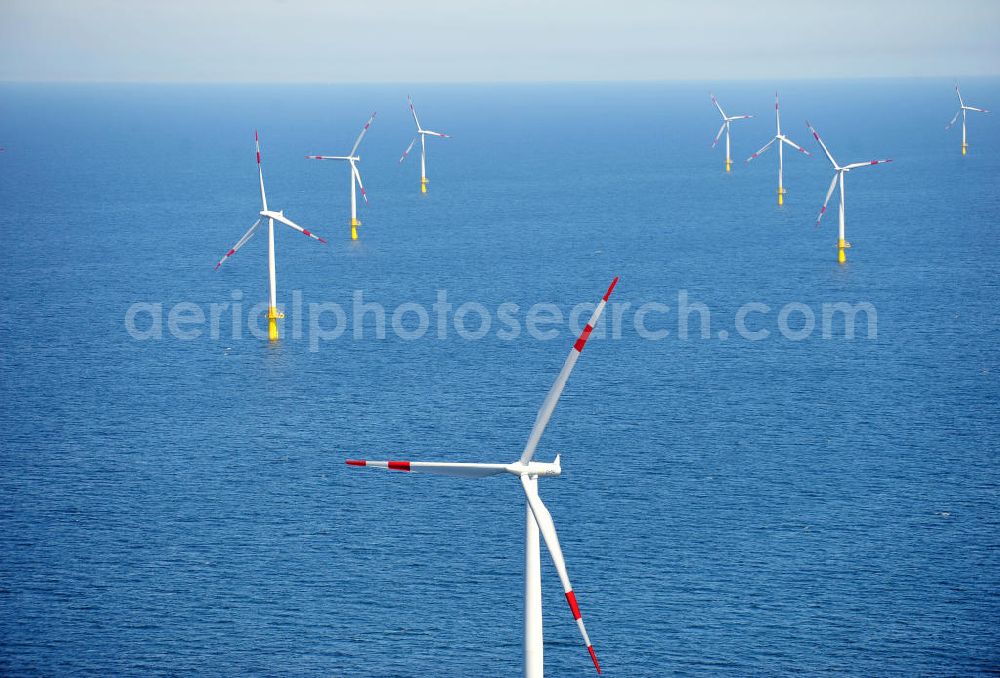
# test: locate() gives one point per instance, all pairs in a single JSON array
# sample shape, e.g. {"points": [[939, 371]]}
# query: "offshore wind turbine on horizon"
{"points": [[961, 111], [838, 176], [421, 134], [273, 315], [726, 120], [355, 175], [537, 516], [781, 139]]}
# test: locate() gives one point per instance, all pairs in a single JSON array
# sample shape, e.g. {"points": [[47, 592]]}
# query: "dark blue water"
{"points": [[727, 506]]}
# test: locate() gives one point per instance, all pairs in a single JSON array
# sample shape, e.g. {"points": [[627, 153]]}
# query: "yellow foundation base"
{"points": [[354, 229], [273, 316], [423, 184], [781, 197], [841, 254], [965, 148], [729, 165]]}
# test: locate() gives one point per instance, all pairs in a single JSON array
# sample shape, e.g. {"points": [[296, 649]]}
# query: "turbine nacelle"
{"points": [[536, 468]]}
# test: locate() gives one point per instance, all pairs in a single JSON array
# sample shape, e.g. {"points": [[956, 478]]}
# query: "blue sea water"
{"points": [[727, 506]]}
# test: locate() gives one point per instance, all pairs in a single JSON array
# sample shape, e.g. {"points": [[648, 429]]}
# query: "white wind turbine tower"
{"points": [[726, 120], [961, 111], [537, 516], [273, 315], [781, 139], [421, 134], [838, 177], [355, 176]]}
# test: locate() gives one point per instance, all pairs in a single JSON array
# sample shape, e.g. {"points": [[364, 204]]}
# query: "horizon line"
{"points": [[635, 81]]}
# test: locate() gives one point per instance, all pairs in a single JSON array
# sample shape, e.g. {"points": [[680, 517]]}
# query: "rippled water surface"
{"points": [[727, 506]]}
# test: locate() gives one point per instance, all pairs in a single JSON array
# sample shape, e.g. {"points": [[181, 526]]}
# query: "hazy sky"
{"points": [[517, 40]]}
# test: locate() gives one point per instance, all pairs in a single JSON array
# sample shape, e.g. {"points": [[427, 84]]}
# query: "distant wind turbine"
{"points": [[781, 139], [273, 315], [421, 134], [726, 120], [537, 516], [839, 177], [355, 176], [961, 111]]}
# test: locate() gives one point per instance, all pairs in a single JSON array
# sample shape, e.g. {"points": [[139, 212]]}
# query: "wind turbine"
{"points": [[537, 516], [781, 139], [355, 176], [273, 315], [839, 177], [421, 134], [726, 120], [961, 111]]}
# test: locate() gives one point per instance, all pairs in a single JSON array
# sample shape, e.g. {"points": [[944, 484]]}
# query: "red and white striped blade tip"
{"points": [[224, 259], [610, 288], [581, 341], [391, 465], [575, 609]]}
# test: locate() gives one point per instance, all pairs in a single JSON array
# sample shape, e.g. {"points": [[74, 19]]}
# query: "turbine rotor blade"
{"points": [[357, 177], [288, 222], [240, 243], [855, 165], [260, 172], [794, 145], [461, 470], [361, 136], [413, 111], [548, 530], [716, 102], [978, 110], [434, 134], [953, 120], [719, 135], [408, 149], [833, 184], [777, 114], [825, 149], [739, 117], [552, 398], [761, 151], [326, 157]]}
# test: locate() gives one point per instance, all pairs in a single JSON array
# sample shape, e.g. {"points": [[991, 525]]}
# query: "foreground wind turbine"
{"points": [[421, 133], [726, 120], [781, 139], [961, 111], [536, 514], [839, 177], [273, 315], [355, 176]]}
